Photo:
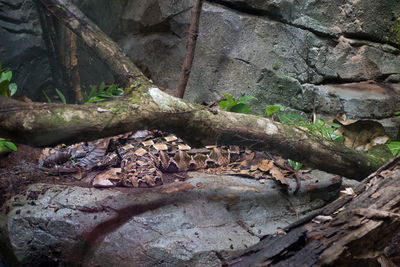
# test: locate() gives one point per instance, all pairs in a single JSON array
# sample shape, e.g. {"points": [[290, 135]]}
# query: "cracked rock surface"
{"points": [[198, 222]]}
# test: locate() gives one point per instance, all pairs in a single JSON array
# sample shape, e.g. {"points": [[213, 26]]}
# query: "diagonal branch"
{"points": [[190, 48], [107, 50]]}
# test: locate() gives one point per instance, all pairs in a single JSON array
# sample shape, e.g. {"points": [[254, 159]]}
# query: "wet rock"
{"points": [[196, 222]]}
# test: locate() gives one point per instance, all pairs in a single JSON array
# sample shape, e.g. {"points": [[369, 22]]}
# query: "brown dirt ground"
{"points": [[19, 170]]}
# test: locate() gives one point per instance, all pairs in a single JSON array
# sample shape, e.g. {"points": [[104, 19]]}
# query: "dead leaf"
{"points": [[386, 173], [277, 175], [253, 167], [265, 165], [102, 182], [347, 191]]}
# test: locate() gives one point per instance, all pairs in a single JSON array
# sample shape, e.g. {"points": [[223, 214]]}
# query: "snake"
{"points": [[145, 158]]}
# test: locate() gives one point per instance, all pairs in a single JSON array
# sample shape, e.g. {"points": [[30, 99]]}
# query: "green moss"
{"points": [[394, 33], [380, 153], [136, 98]]}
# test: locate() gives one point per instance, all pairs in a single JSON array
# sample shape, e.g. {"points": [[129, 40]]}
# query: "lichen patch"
{"points": [[165, 101], [69, 115], [271, 129]]}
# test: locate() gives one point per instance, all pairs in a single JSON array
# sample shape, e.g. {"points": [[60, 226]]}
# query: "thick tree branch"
{"points": [[45, 124], [355, 230]]}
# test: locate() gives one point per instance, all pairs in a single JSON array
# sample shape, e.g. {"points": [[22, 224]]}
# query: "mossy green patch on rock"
{"points": [[394, 33], [380, 153]]}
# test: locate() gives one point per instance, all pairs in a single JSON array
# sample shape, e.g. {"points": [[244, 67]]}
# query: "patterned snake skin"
{"points": [[143, 158]]}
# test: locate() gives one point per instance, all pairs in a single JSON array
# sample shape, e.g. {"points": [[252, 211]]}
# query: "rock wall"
{"points": [[22, 48], [312, 55]]}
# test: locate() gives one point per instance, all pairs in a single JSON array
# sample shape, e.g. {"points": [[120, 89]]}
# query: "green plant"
{"points": [[282, 113], [102, 93], [95, 95], [238, 106], [46, 96], [397, 114], [320, 128], [295, 165], [6, 146], [7, 88], [394, 147], [61, 95]]}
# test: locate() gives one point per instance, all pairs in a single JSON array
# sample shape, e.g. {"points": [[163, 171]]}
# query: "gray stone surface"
{"points": [[237, 62], [376, 20], [47, 223], [22, 49]]}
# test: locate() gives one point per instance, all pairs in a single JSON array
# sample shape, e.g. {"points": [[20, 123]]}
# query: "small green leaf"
{"points": [[295, 165], [11, 145], [13, 88], [61, 95], [230, 100], [102, 86], [6, 76], [223, 104], [241, 108], [112, 89], [394, 147], [46, 96], [334, 125], [118, 92], [96, 99], [105, 95], [270, 110], [291, 117], [93, 91], [246, 99], [337, 138]]}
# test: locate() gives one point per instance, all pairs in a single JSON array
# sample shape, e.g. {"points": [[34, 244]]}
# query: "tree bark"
{"points": [[46, 124], [359, 230], [125, 72], [190, 49], [73, 69]]}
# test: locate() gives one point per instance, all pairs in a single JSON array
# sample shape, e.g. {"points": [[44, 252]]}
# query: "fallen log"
{"points": [[42, 124], [355, 230]]}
